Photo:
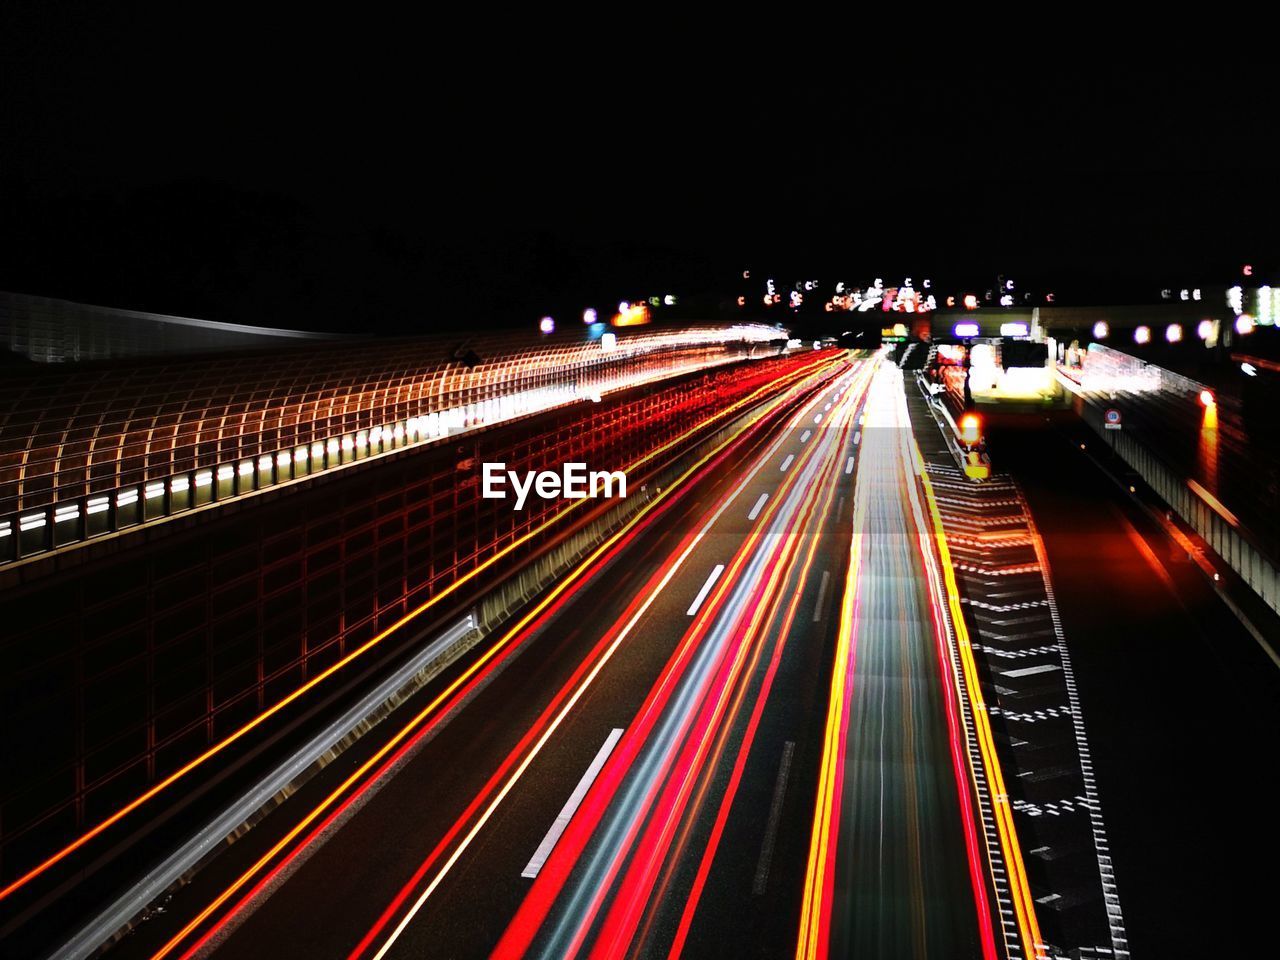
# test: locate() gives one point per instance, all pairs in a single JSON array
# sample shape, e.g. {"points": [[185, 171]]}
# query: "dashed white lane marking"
{"points": [[1031, 671], [571, 806], [806, 435], [857, 437], [771, 825], [706, 588], [822, 595], [817, 418], [787, 462], [755, 511], [848, 467]]}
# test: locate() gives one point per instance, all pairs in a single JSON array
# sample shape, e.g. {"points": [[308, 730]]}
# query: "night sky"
{"points": [[393, 177]]}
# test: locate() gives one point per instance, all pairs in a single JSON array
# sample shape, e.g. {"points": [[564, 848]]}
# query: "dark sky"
{"points": [[388, 172]]}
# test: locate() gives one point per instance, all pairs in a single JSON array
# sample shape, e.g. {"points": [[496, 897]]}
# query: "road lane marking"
{"points": [[787, 462], [818, 418], [806, 435], [840, 508], [571, 806], [755, 511], [771, 825], [848, 467], [706, 588], [822, 595], [857, 437], [1032, 671]]}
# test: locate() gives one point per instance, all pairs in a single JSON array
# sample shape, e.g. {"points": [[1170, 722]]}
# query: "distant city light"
{"points": [[624, 306], [970, 428], [1101, 330], [589, 315], [966, 329], [1248, 270], [1173, 332], [1248, 369], [1204, 329], [1206, 397], [1015, 329], [1235, 300], [970, 301], [1244, 324], [635, 315], [1142, 335], [669, 299], [547, 325]]}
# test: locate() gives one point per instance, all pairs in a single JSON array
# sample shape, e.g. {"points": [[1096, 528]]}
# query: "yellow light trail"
{"points": [[561, 587], [409, 617], [1024, 905]]}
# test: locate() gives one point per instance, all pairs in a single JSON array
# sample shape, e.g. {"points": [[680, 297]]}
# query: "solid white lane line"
{"points": [[806, 435], [787, 462], [706, 588], [848, 467], [571, 806], [822, 595], [755, 511]]}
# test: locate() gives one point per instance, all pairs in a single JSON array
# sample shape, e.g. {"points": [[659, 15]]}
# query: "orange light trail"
{"points": [[470, 678], [1024, 905], [538, 902], [162, 785]]}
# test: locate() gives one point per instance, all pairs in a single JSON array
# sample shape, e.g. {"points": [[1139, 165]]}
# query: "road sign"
{"points": [[1111, 419]]}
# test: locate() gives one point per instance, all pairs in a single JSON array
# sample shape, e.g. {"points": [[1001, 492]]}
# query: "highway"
{"points": [[1214, 446], [472, 798], [1180, 700], [892, 871], [631, 769]]}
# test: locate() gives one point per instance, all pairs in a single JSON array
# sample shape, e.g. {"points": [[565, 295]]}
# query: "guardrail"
{"points": [[1195, 505], [67, 521], [975, 463]]}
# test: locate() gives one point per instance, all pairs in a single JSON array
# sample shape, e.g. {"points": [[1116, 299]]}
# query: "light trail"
{"points": [[1024, 905], [570, 837], [891, 467], [787, 380], [754, 578], [460, 688]]}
